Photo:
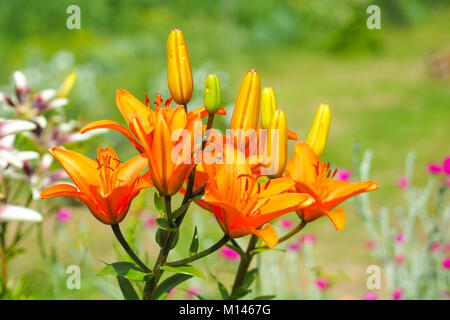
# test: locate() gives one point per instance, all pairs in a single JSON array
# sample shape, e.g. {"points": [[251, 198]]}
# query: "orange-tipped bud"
{"points": [[179, 73], [212, 93], [246, 110], [67, 86], [268, 106], [318, 135], [278, 143]]}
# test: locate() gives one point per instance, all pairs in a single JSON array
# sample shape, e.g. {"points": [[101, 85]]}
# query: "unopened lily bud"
{"points": [[278, 143], [212, 93], [179, 73], [268, 106], [317, 138], [246, 110], [67, 86]]}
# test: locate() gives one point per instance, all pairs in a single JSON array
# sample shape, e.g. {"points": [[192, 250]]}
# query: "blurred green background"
{"points": [[378, 83]]}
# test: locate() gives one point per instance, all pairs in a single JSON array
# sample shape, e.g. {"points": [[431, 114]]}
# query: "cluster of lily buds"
{"points": [[232, 191]]}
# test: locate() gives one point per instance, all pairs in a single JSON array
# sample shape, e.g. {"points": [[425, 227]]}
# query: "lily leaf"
{"points": [[267, 249], [168, 284], [180, 211], [268, 297], [249, 277], [127, 289], [194, 244], [159, 204], [126, 270], [164, 224], [186, 269]]}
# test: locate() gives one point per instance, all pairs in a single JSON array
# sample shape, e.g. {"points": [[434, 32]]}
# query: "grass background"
{"points": [[375, 81]]}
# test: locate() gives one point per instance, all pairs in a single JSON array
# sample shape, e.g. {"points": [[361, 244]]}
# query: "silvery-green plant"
{"points": [[410, 240]]}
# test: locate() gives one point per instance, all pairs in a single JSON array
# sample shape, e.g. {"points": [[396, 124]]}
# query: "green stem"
{"points": [[127, 248], [246, 259], [201, 254], [168, 203]]}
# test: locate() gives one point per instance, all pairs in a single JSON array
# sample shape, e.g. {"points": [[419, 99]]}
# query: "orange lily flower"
{"points": [[242, 205], [153, 131], [315, 178], [106, 186]]}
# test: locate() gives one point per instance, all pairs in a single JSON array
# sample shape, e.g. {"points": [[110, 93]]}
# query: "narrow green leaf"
{"points": [[159, 237], [196, 198], [126, 270], [267, 249], [194, 244], [168, 284], [241, 292], [164, 224], [268, 297], [175, 240], [249, 277], [237, 249], [186, 269], [181, 210], [159, 204], [223, 290], [127, 289]]}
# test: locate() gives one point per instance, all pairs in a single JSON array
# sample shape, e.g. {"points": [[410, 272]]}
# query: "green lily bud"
{"points": [[212, 93], [268, 106]]}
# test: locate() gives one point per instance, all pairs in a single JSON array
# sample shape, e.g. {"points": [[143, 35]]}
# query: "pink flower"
{"points": [[64, 215], [370, 296], [399, 238], [400, 258], [402, 182], [447, 247], [435, 246], [322, 283], [434, 168], [293, 246], [446, 165], [343, 174], [150, 222], [397, 294], [228, 253], [191, 293], [285, 223], [446, 263], [371, 244], [308, 238]]}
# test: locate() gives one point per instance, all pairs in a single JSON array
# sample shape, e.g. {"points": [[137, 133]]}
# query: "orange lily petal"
{"points": [[338, 218], [131, 169], [341, 191], [268, 235], [60, 190], [109, 124], [301, 167], [292, 135], [279, 205], [81, 169], [131, 107], [276, 186]]}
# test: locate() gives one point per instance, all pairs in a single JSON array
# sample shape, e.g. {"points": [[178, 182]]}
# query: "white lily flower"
{"points": [[20, 80], [17, 213], [8, 127]]}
